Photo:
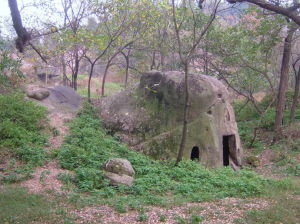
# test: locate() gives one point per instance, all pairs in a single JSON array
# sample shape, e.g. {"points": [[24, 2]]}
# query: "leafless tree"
{"points": [[185, 58]]}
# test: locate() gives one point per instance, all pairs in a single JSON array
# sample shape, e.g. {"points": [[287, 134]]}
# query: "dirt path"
{"points": [[45, 178], [58, 121], [224, 211]]}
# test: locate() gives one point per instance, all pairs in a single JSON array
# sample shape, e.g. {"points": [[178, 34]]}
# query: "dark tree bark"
{"points": [[76, 69], [105, 75], [126, 56], [127, 72], [290, 12], [109, 63], [89, 82], [295, 96], [64, 70], [185, 114], [23, 35], [185, 60], [152, 66], [284, 78]]}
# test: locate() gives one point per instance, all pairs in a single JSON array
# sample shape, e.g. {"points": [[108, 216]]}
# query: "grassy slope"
{"points": [[156, 182], [21, 140], [285, 207]]}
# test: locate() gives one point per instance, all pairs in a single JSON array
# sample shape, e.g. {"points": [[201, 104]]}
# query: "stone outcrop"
{"points": [[149, 118], [39, 94], [119, 171], [56, 97]]}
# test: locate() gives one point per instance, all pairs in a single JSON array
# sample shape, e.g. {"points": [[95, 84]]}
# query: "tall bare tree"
{"points": [[284, 78], [186, 54]]}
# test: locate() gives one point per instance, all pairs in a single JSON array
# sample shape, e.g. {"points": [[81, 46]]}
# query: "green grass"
{"points": [[21, 125], [156, 182], [286, 149], [18, 206], [84, 93], [110, 88], [284, 210], [79, 76], [248, 118]]}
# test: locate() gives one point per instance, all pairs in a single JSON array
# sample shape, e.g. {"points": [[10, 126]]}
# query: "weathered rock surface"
{"points": [[119, 171], [39, 94], [122, 112], [117, 180], [64, 96], [119, 166], [56, 97], [150, 118]]}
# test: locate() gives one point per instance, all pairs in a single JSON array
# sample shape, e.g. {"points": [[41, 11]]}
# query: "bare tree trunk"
{"points": [[104, 76], [284, 78], [127, 72], [205, 60], [295, 97], [162, 61], [153, 61], [72, 81], [185, 114], [64, 67], [126, 56], [75, 74], [109, 63], [89, 82], [23, 36]]}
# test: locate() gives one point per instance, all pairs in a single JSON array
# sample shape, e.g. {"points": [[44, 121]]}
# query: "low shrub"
{"points": [[10, 74], [21, 123]]}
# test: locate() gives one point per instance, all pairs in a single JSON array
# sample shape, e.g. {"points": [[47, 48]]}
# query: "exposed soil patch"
{"points": [[222, 212], [58, 122], [265, 164], [45, 178]]}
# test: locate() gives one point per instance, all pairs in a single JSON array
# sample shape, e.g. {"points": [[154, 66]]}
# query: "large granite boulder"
{"points": [[150, 118], [119, 171], [56, 97], [38, 94]]}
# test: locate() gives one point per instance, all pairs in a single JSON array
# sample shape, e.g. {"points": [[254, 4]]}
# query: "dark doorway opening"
{"points": [[195, 153], [228, 148]]}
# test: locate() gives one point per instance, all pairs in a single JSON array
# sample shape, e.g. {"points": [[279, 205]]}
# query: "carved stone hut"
{"points": [[149, 118]]}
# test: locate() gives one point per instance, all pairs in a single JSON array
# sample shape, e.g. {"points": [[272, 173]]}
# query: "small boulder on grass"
{"points": [[39, 94], [119, 171], [117, 180]]}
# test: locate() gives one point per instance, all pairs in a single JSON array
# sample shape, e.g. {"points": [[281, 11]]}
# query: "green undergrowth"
{"points": [[84, 93], [249, 119], [110, 89], [285, 208], [88, 146], [19, 206], [22, 123], [256, 132]]}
